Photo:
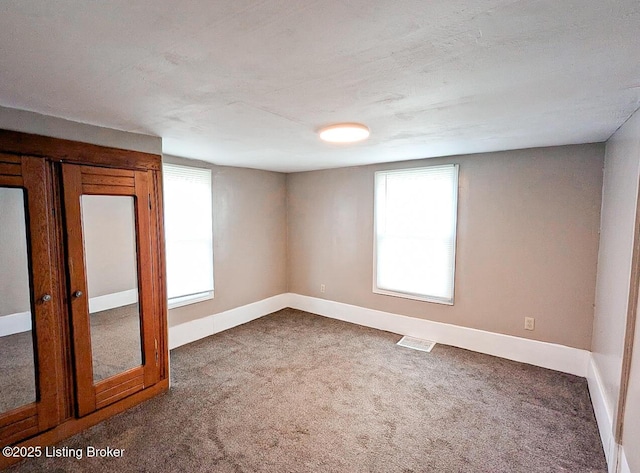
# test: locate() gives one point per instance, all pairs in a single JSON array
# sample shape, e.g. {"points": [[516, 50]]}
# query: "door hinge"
{"points": [[156, 340], [149, 201]]}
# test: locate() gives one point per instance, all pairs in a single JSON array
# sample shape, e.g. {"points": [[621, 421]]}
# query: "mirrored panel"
{"points": [[108, 224], [17, 366]]}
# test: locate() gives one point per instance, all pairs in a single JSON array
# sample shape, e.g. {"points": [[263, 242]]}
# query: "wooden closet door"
{"points": [[31, 378], [108, 215]]}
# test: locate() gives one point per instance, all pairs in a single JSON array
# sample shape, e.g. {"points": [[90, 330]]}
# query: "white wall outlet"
{"points": [[322, 288], [529, 323]]}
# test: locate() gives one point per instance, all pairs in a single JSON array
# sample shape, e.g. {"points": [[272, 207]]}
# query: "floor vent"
{"points": [[416, 343]]}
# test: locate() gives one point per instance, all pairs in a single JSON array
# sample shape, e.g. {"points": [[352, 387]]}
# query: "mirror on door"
{"points": [[17, 366], [108, 224]]}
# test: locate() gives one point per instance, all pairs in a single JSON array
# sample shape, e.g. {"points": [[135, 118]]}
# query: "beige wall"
{"points": [[249, 239], [620, 191], [527, 241], [108, 224], [14, 269]]}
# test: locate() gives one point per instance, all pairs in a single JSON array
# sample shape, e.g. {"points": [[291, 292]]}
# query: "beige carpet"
{"points": [[294, 392], [17, 371], [115, 341], [116, 347]]}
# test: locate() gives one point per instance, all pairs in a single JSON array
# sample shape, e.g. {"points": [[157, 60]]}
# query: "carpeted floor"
{"points": [[295, 392], [115, 341], [115, 344], [17, 371]]}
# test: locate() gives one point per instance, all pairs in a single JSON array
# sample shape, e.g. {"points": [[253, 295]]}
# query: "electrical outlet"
{"points": [[529, 323], [322, 288]]}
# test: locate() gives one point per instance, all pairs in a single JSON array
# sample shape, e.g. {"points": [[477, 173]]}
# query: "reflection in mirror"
{"points": [[17, 368], [108, 224]]}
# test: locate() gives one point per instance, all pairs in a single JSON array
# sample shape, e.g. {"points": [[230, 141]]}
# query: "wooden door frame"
{"points": [[67, 151], [32, 176], [81, 180]]}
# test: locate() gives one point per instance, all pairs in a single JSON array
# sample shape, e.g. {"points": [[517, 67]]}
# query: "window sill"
{"points": [[415, 297], [188, 300]]}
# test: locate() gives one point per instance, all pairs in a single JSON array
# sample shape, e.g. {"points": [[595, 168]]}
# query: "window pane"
{"points": [[416, 232], [189, 230]]}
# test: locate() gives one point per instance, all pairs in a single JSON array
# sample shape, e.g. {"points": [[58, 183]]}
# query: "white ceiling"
{"points": [[248, 83]]}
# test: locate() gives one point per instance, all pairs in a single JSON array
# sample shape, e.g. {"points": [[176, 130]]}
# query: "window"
{"points": [[415, 233], [189, 234]]}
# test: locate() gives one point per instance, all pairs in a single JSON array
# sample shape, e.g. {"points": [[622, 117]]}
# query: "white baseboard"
{"points": [[111, 301], [547, 355], [624, 466], [604, 414], [200, 328], [15, 323]]}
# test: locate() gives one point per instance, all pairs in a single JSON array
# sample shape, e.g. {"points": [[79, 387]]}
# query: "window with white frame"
{"points": [[189, 234], [415, 233]]}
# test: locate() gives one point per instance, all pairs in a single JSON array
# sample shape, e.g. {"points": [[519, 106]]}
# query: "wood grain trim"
{"points": [[46, 325], [106, 190], [11, 181], [9, 158], [121, 393], [18, 414], [95, 176], [73, 426], [85, 394], [119, 379], [24, 433], [11, 174], [60, 150], [14, 431], [7, 169], [97, 171], [102, 395], [145, 275], [95, 179], [65, 382], [159, 281]]}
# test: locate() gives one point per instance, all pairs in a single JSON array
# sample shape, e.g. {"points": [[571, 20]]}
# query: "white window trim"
{"points": [[190, 299], [409, 295], [181, 301]]}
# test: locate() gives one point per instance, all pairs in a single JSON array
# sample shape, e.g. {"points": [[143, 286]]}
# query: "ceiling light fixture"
{"points": [[344, 133]]}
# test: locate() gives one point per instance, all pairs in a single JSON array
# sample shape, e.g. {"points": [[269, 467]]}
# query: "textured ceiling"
{"points": [[248, 83]]}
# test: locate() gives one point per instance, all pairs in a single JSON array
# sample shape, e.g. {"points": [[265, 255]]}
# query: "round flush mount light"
{"points": [[344, 133]]}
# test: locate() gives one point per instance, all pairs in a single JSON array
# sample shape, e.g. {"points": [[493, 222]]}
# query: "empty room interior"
{"points": [[361, 236]]}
